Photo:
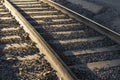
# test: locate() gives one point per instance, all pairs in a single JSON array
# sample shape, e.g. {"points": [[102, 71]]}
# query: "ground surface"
{"points": [[105, 12], [113, 3]]}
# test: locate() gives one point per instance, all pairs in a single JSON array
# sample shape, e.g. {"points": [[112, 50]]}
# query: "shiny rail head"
{"points": [[63, 72], [100, 28]]}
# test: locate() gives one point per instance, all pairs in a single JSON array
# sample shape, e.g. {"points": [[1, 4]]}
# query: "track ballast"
{"points": [[89, 54]]}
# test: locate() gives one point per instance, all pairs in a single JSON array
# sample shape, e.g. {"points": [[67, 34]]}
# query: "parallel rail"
{"points": [[100, 28], [98, 40], [19, 56], [62, 71]]}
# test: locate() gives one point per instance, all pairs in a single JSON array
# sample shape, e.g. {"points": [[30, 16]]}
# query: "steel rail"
{"points": [[63, 71], [98, 27]]}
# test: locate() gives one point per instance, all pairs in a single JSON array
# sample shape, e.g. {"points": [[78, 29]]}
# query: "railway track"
{"points": [[90, 50], [20, 59]]}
